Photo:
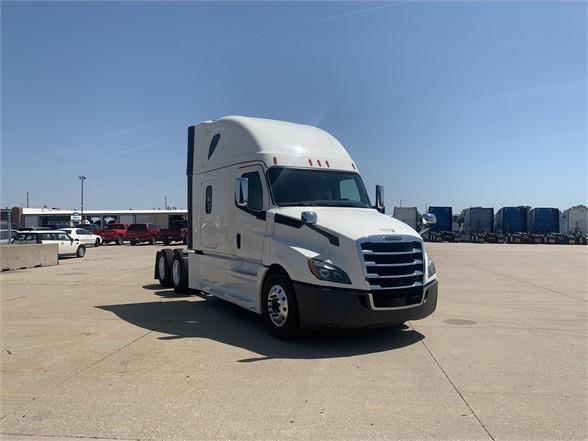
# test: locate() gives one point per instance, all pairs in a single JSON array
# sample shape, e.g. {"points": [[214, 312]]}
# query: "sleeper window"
{"points": [[208, 204]]}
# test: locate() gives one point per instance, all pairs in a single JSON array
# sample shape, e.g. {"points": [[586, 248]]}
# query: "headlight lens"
{"points": [[326, 271], [431, 265]]}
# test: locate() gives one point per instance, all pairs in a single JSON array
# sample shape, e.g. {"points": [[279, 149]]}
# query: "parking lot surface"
{"points": [[93, 348]]}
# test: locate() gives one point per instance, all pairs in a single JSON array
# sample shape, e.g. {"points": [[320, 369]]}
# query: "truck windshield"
{"points": [[291, 187]]}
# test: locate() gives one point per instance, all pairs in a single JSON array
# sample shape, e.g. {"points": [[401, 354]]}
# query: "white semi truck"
{"points": [[280, 223]]}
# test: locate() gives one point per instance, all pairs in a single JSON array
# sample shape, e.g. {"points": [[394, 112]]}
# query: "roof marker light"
{"points": [[275, 160], [318, 161], [310, 161], [327, 162]]}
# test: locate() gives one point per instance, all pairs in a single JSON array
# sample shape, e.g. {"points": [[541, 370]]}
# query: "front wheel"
{"points": [[152, 240], [81, 251], [280, 309], [97, 243], [119, 240]]}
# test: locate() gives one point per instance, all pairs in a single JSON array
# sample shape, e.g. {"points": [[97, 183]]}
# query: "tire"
{"points": [[97, 243], [166, 241], [164, 265], [133, 242], [81, 251], [179, 273], [279, 306], [152, 240], [119, 240]]}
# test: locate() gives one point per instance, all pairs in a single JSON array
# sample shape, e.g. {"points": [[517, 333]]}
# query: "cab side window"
{"points": [[255, 190]]}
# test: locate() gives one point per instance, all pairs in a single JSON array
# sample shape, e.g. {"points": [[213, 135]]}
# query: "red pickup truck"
{"points": [[114, 233], [174, 234], [137, 233]]}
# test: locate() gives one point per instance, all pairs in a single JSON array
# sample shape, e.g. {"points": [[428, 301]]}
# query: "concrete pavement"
{"points": [[92, 348]]}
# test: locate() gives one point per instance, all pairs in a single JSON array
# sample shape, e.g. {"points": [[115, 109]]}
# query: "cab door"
{"points": [[250, 225]]}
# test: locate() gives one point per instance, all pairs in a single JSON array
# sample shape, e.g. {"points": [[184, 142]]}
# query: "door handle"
{"points": [[238, 241]]}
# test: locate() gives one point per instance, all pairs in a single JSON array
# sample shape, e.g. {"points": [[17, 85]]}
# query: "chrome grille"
{"points": [[394, 271]]}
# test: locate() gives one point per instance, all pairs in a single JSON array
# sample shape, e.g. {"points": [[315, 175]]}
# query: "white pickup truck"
{"points": [[280, 223]]}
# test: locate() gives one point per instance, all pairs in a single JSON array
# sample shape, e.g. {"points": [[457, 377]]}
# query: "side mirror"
{"points": [[76, 239], [429, 219], [380, 199], [241, 192], [308, 217]]}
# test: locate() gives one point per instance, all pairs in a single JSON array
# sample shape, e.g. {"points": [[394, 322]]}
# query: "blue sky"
{"points": [[444, 103]]}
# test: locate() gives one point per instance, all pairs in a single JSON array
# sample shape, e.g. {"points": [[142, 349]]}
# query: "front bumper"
{"points": [[320, 306]]}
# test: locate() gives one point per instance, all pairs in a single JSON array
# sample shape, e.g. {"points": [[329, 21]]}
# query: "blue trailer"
{"points": [[512, 223], [543, 225], [442, 230]]}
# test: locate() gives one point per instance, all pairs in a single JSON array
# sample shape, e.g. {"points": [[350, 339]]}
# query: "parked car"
{"points": [[86, 237], [66, 245], [137, 233], [115, 233]]}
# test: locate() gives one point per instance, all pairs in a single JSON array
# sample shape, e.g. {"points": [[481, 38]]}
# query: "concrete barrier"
{"points": [[27, 256]]}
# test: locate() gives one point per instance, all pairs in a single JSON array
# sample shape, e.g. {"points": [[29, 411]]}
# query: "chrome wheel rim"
{"points": [[277, 305], [161, 265], [176, 272], [82, 251]]}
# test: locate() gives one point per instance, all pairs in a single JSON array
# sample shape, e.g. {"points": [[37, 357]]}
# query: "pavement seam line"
{"points": [[76, 437], [114, 352], [508, 276], [457, 390]]}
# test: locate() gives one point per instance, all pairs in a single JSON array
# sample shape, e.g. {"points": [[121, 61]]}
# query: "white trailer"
{"points": [[408, 215], [280, 223]]}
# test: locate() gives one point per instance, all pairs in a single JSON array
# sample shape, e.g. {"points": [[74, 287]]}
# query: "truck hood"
{"points": [[353, 223]]}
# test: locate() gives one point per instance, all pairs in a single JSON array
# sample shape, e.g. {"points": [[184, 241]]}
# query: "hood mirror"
{"points": [[241, 192], [429, 219], [380, 199], [309, 217]]}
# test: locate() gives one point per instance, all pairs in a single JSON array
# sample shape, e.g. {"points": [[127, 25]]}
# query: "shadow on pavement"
{"points": [[224, 322]]}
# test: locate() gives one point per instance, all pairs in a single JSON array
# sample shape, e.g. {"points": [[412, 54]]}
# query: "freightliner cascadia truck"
{"points": [[280, 223]]}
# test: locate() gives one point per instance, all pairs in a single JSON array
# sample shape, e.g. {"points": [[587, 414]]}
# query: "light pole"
{"points": [[82, 178]]}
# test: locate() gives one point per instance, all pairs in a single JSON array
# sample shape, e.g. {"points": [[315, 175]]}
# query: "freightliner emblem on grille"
{"points": [[392, 238]]}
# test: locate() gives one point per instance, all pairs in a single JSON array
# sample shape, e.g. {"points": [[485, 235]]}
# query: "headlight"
{"points": [[431, 265], [326, 271]]}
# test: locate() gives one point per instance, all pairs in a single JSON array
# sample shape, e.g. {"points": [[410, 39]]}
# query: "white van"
{"points": [[281, 224]]}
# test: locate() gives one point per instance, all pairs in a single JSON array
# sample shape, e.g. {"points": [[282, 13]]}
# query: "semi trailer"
{"points": [[543, 225], [280, 223], [511, 223], [442, 230], [478, 225], [408, 215], [573, 223]]}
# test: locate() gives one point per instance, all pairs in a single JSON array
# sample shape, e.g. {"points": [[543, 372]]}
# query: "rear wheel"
{"points": [[164, 265], [280, 309], [166, 241], [179, 273], [152, 240], [119, 240], [97, 243], [81, 251], [133, 242]]}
